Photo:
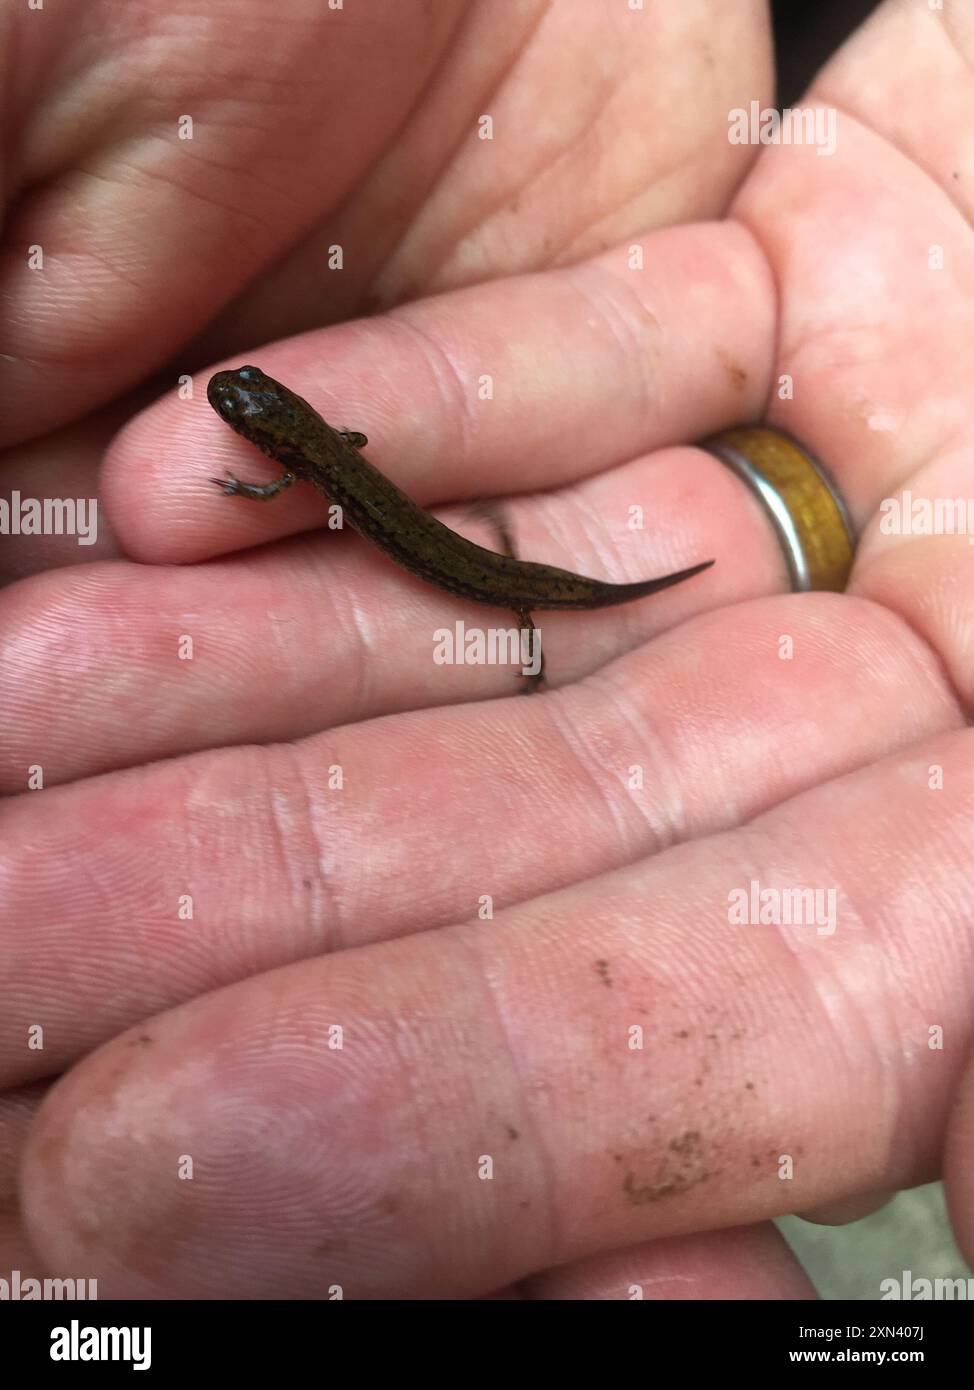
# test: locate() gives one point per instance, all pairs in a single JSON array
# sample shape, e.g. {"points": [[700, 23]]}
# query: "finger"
{"points": [[322, 631], [849, 1209], [848, 346], [959, 1163], [898, 442], [18, 1262], [51, 490], [746, 1262], [689, 1073], [132, 892], [18, 1108], [645, 358]]}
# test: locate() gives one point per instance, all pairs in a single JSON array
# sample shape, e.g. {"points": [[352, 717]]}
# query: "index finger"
{"points": [[519, 385]]}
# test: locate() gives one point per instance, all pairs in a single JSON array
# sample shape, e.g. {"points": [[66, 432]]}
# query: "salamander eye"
{"points": [[249, 373]]}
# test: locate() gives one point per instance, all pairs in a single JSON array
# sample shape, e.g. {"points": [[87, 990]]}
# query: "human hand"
{"points": [[600, 1172]]}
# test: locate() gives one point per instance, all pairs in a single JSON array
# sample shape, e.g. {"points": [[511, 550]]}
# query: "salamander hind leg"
{"points": [[526, 623]]}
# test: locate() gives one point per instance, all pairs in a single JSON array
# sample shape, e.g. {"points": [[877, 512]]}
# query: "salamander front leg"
{"points": [[526, 623], [257, 492]]}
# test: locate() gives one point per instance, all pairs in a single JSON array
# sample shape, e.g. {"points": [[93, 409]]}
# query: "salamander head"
{"points": [[259, 408]]}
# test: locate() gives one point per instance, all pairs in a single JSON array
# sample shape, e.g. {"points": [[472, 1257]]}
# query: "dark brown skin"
{"points": [[289, 430]]}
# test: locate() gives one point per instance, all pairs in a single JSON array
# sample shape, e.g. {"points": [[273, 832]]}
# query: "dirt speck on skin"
{"points": [[512, 1133], [735, 372], [602, 970], [640, 1195], [686, 1143], [329, 1248], [680, 1168]]}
